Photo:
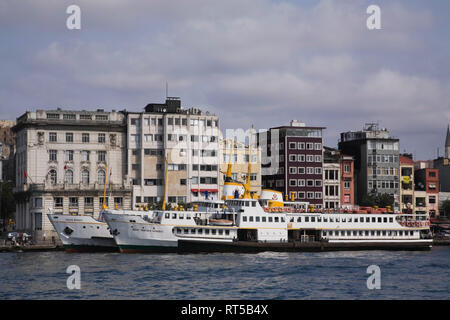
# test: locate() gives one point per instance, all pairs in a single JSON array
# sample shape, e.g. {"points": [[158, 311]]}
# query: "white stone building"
{"points": [[61, 159]]}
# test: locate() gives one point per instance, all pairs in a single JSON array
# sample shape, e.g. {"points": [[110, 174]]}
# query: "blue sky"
{"points": [[255, 62]]}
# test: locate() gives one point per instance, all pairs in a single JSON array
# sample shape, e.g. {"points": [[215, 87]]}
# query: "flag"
{"points": [[65, 167], [25, 174]]}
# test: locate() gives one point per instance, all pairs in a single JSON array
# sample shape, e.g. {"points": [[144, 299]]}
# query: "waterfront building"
{"points": [[7, 150], [189, 138], [347, 182], [61, 164], [238, 154], [427, 180], [376, 163], [406, 184], [331, 178], [292, 161]]}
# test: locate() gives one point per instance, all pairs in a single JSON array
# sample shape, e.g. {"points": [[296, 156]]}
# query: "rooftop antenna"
{"points": [[167, 89]]}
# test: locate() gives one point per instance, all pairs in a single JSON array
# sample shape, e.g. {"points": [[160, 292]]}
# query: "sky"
{"points": [[251, 62]]}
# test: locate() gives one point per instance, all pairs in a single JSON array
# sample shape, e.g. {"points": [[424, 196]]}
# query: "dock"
{"points": [[31, 248]]}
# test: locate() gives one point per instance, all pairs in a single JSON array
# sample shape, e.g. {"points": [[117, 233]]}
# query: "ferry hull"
{"points": [[86, 235], [253, 246]]}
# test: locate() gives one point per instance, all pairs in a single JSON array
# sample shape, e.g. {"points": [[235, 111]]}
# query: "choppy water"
{"points": [[269, 275]]}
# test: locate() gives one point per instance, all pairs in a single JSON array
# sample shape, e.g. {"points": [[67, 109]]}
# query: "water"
{"points": [[268, 275]]}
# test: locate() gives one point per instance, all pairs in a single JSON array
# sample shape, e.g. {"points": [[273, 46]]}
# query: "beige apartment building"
{"points": [[61, 164], [239, 159]]}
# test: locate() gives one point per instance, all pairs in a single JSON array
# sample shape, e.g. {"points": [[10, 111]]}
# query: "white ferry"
{"points": [[83, 233], [246, 225]]}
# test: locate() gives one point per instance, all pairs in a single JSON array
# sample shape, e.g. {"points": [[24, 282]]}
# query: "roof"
{"points": [[406, 160]]}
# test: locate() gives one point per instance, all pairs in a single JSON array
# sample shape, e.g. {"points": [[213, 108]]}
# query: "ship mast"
{"points": [[165, 185], [104, 207], [247, 194]]}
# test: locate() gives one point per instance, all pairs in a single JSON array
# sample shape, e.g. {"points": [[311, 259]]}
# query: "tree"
{"points": [[445, 208], [7, 202], [381, 200]]}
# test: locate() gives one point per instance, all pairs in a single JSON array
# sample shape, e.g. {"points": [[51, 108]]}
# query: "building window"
{"points": [[102, 156], [85, 177], [69, 155], [69, 137], [52, 137], [301, 158], [292, 157], [88, 202], [292, 145], [73, 202], [118, 201], [52, 155], [301, 146], [85, 137], [101, 138], [58, 202], [292, 182], [301, 170], [292, 170], [68, 177], [53, 177], [84, 155], [101, 177]]}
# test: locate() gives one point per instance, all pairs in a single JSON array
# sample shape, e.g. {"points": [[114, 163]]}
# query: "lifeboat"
{"points": [[220, 222]]}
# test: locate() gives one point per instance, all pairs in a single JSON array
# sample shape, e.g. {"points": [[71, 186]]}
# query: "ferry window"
{"points": [[244, 219], [319, 219], [411, 233], [337, 219], [270, 219], [349, 233], [384, 233], [378, 233], [324, 233], [331, 220], [325, 219], [188, 216], [192, 231], [263, 219], [206, 231], [200, 231], [384, 219], [181, 216], [344, 220], [306, 219], [360, 233], [367, 219], [282, 219], [379, 219], [391, 219], [250, 219], [361, 219], [246, 204], [389, 233], [349, 219], [400, 233], [342, 233], [227, 232], [213, 231], [167, 215], [354, 233], [372, 233], [174, 215], [220, 232], [276, 219], [257, 219], [313, 219], [253, 203], [299, 219], [366, 233], [186, 231]]}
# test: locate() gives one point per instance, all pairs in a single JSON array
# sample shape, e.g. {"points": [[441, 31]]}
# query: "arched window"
{"points": [[85, 177], [53, 177], [68, 177], [101, 177]]}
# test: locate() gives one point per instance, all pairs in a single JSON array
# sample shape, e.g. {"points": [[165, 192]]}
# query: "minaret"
{"points": [[447, 143]]}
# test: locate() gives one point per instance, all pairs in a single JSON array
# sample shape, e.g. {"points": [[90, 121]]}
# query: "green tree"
{"points": [[7, 202], [445, 208]]}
